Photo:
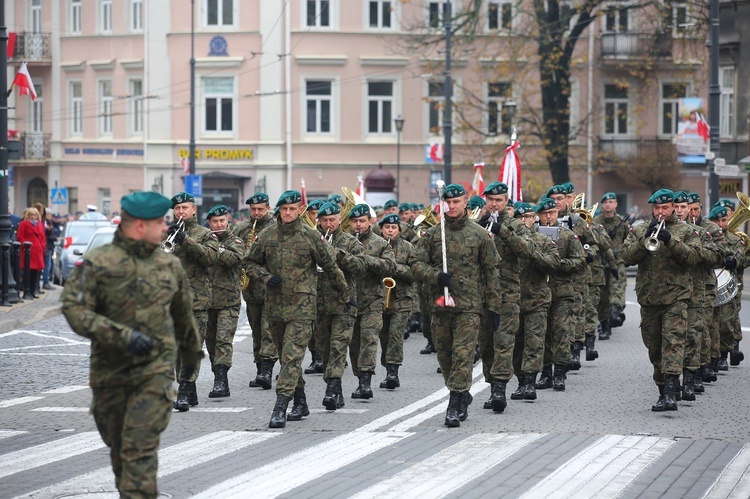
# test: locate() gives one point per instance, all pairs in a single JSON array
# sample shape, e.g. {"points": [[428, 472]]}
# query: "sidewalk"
{"points": [[21, 315]]}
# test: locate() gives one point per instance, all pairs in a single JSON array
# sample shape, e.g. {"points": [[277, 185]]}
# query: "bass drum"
{"points": [[726, 287]]}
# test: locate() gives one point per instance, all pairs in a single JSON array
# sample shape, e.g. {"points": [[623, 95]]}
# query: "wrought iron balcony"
{"points": [[32, 47], [34, 146], [630, 45], [616, 151]]}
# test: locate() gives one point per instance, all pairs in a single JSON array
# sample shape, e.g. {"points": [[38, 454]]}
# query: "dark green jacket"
{"points": [[198, 253]]}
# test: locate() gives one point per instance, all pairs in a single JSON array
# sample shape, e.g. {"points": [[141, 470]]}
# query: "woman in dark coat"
{"points": [[31, 229]]}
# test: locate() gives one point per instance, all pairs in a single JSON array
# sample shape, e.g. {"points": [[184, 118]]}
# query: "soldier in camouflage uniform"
{"points": [[133, 302], [663, 287], [473, 283], [255, 293], [198, 250], [316, 355], [380, 263], [225, 299], [617, 229], [334, 325], [400, 302], [285, 257]]}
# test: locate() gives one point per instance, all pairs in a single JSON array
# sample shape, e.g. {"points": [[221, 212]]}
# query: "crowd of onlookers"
{"points": [[39, 227]]}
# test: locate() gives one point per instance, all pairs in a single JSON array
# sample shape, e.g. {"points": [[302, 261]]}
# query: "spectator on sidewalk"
{"points": [[46, 222], [31, 229]]}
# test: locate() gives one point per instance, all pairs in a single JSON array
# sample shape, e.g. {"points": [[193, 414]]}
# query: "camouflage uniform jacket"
{"points": [[663, 275], [256, 290], [511, 244], [535, 271], [225, 274], [198, 253], [380, 262], [472, 265], [735, 246], [402, 296], [124, 286], [349, 253], [292, 251], [605, 257], [617, 229], [579, 226], [565, 281]]}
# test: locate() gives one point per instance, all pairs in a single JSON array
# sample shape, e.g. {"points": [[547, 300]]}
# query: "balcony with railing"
{"points": [[30, 147], [631, 45], [33, 47], [615, 152]]}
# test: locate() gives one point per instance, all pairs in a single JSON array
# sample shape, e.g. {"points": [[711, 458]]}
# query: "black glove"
{"points": [[274, 281], [730, 263], [179, 237], [652, 226], [483, 221], [494, 320], [351, 303], [614, 273], [140, 344], [444, 280], [664, 236], [589, 257], [173, 228]]}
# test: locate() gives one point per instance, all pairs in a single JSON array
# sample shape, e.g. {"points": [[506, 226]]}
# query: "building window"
{"points": [[106, 13], [72, 199], [435, 100], [105, 107], [37, 110], [675, 16], [615, 109], [436, 13], [136, 109], [219, 12], [36, 16], [318, 104], [379, 106], [380, 14], [498, 122], [218, 94], [726, 82], [136, 15], [76, 107], [75, 17], [671, 93], [499, 15], [617, 18], [319, 13], [105, 200]]}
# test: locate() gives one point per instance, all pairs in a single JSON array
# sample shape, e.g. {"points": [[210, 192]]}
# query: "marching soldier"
{"points": [[617, 229], [284, 257], [198, 249], [225, 299], [133, 302], [316, 357], [663, 287], [472, 281]]}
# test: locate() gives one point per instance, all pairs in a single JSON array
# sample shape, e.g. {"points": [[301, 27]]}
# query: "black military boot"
{"points": [[299, 409], [430, 348], [365, 391], [463, 409], [659, 405], [332, 388], [357, 394], [591, 353], [264, 376], [721, 362], [451, 415], [575, 356], [617, 317], [181, 404], [497, 400], [192, 394], [698, 381], [558, 380], [688, 385], [254, 382], [545, 380], [736, 356], [606, 330], [339, 395], [529, 392], [278, 415], [221, 382], [311, 368], [391, 379], [671, 386], [518, 394], [319, 369]]}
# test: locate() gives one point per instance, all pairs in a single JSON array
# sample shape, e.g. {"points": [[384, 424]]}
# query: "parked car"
{"points": [[102, 236], [76, 236]]}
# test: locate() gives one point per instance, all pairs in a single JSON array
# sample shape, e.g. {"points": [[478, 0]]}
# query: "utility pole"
{"points": [[714, 111], [447, 117], [191, 148]]}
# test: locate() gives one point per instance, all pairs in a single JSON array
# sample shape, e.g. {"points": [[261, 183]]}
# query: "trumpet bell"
{"points": [[741, 215]]}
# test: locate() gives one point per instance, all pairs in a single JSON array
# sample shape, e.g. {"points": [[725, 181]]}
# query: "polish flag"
{"points": [[360, 186], [510, 172], [185, 165], [703, 128], [477, 184], [436, 152], [303, 191], [10, 48], [24, 83]]}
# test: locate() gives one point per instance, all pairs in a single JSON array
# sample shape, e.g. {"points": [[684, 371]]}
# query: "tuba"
{"points": [[244, 277], [389, 283], [740, 216], [579, 207], [305, 216]]}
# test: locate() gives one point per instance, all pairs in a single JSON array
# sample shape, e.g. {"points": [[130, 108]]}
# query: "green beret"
{"points": [[421, 206], [661, 196], [328, 209], [568, 188], [315, 204], [545, 204], [413, 206], [454, 191], [336, 198], [554, 190], [609, 195], [680, 197], [522, 209], [257, 198], [495, 189], [726, 203], [694, 197], [391, 203], [289, 197], [359, 211], [145, 205], [403, 207], [217, 211], [476, 202], [718, 212], [181, 197], [390, 219]]}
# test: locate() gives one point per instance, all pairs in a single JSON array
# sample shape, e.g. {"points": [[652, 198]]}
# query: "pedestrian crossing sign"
{"points": [[59, 196]]}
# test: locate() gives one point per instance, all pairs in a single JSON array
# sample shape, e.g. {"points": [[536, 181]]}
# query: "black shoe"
{"points": [[299, 409], [357, 394], [487, 403], [688, 385], [463, 410], [383, 384], [319, 369], [391, 379], [192, 394], [332, 389], [48, 287], [518, 394], [182, 404], [671, 387], [558, 380], [498, 403], [278, 415], [575, 356], [545, 380], [451, 415], [591, 353], [254, 382], [529, 392], [477, 357], [221, 382], [659, 405], [735, 355], [698, 381], [311, 368], [430, 348], [439, 370], [605, 330], [617, 318], [721, 363], [364, 385], [709, 375], [266, 371]]}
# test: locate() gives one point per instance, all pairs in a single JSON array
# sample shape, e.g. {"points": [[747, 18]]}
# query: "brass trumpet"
{"points": [[167, 246], [244, 277], [389, 283], [652, 242]]}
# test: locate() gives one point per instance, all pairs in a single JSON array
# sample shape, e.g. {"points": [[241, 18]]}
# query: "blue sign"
{"points": [[194, 185], [59, 196], [218, 46]]}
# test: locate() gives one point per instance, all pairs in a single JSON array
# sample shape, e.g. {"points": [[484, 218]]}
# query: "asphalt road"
{"points": [[599, 438]]}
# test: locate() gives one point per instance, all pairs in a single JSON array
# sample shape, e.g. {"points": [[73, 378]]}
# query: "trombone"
{"points": [[167, 246], [652, 243], [389, 283]]}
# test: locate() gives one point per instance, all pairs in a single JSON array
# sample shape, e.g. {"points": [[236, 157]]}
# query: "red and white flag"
{"points": [[360, 186], [703, 128], [435, 152], [303, 191], [185, 165], [478, 183], [510, 172], [24, 83], [10, 48]]}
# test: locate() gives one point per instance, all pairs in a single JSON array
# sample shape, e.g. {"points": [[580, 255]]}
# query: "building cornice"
{"points": [[374, 60], [102, 64], [131, 63], [219, 62], [321, 60], [73, 66]]}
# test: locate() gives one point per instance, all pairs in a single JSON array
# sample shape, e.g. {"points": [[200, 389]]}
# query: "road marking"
{"points": [[219, 409], [67, 389], [10, 433], [42, 335], [604, 469], [41, 346], [339, 411], [10, 333], [60, 409], [18, 401], [172, 459], [734, 481], [634, 303], [286, 474], [239, 339], [451, 468], [40, 455]]}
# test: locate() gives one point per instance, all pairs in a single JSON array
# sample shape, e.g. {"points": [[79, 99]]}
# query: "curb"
{"points": [[43, 311]]}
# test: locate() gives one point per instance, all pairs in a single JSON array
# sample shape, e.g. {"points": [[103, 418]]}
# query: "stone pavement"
{"points": [[26, 312]]}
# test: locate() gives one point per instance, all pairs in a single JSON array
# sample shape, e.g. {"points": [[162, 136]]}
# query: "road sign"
{"points": [[59, 195], [194, 185], [727, 170]]}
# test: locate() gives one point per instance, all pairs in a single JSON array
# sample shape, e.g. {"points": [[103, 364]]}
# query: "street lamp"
{"points": [[399, 128], [510, 111]]}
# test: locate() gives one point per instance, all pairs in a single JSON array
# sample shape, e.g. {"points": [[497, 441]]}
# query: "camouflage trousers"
{"points": [[455, 337], [130, 420], [560, 331], [496, 347], [528, 351], [392, 337], [222, 324], [663, 330], [291, 339], [613, 294], [201, 320], [268, 350], [426, 309], [363, 349], [333, 334], [694, 338], [727, 314], [592, 308], [255, 319], [581, 319], [708, 331], [737, 327]]}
